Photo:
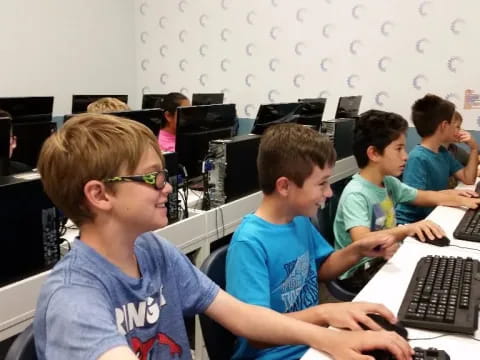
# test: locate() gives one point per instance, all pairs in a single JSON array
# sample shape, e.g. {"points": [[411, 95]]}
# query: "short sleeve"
{"points": [[80, 329], [247, 273], [401, 192], [322, 248], [355, 211], [415, 174], [453, 164], [197, 291]]}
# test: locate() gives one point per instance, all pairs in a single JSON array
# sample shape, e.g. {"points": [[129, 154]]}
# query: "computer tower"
{"points": [[232, 168], [171, 164], [340, 133], [29, 225]]}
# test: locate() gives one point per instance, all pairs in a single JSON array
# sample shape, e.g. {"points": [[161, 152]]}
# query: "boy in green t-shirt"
{"points": [[368, 201]]}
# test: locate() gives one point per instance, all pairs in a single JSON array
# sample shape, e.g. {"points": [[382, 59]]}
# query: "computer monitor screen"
{"points": [[348, 107], [196, 126], [271, 114], [28, 109], [207, 99], [4, 145], [80, 102], [311, 112], [30, 138], [152, 101]]}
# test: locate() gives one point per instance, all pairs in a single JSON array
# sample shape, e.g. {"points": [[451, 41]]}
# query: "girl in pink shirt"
{"points": [[170, 103]]}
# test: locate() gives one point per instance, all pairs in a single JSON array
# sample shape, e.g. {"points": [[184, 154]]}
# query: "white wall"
{"points": [[62, 47], [280, 50]]}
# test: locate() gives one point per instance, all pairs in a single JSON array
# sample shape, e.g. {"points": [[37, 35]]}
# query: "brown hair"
{"points": [[291, 150], [457, 117], [429, 112], [106, 105], [90, 147]]}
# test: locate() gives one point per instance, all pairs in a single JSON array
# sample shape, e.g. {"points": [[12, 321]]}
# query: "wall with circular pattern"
{"points": [[262, 51]]}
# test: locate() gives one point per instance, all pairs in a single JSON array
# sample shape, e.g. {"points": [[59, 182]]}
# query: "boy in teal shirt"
{"points": [[368, 202], [430, 164]]}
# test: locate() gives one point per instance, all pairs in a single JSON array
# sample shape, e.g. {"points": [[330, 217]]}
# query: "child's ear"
{"points": [[372, 153], [97, 196], [282, 185]]}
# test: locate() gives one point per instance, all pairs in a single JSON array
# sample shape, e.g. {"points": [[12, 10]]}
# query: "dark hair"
{"points": [[429, 112], [170, 103], [291, 150], [378, 129]]}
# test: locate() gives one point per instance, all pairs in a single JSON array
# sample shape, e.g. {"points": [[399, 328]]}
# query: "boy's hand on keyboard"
{"points": [[424, 230], [470, 203], [465, 193], [349, 315], [351, 345]]}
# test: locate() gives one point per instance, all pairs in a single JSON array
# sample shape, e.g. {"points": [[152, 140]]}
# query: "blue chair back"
{"points": [[23, 348]]}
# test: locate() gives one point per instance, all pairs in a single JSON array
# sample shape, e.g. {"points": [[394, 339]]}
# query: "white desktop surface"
{"points": [[389, 285]]}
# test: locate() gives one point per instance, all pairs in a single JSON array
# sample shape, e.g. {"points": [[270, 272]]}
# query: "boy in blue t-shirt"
{"points": [[430, 165], [276, 256], [121, 293], [367, 203]]}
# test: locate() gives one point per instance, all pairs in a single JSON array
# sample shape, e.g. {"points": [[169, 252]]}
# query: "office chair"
{"points": [[23, 348], [324, 224], [218, 340]]}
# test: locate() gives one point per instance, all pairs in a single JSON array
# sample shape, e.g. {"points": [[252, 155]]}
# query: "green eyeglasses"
{"points": [[158, 179]]}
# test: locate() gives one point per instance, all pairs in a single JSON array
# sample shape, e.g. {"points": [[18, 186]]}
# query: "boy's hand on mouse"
{"points": [[377, 245], [424, 230], [349, 315], [343, 345]]}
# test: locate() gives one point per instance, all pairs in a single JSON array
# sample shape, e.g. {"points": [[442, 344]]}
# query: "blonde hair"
{"points": [[106, 105], [90, 147]]}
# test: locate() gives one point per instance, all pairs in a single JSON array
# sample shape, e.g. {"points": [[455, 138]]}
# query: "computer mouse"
{"points": [[387, 325], [441, 241]]}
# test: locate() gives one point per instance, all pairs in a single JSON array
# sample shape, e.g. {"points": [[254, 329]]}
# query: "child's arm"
{"points": [[445, 198], [468, 174], [119, 353], [267, 326], [376, 244]]}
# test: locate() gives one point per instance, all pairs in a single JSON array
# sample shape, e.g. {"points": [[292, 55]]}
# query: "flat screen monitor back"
{"points": [[28, 109], [81, 102], [311, 112], [348, 107], [30, 138], [151, 118], [272, 114], [196, 126], [207, 99], [152, 101]]}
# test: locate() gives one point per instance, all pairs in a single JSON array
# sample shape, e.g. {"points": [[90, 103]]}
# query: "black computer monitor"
{"points": [[28, 109], [151, 101], [196, 126], [311, 112], [30, 138], [81, 102], [151, 118], [271, 114], [348, 107], [207, 99], [4, 145]]}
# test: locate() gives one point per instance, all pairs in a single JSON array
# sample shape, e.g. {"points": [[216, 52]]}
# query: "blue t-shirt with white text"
{"points": [[275, 266]]}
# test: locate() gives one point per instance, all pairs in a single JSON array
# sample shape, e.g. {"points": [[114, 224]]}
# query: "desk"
{"points": [[389, 285], [18, 300]]}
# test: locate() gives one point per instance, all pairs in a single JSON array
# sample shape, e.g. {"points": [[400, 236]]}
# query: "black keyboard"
{"points": [[429, 354], [469, 227], [443, 294]]}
